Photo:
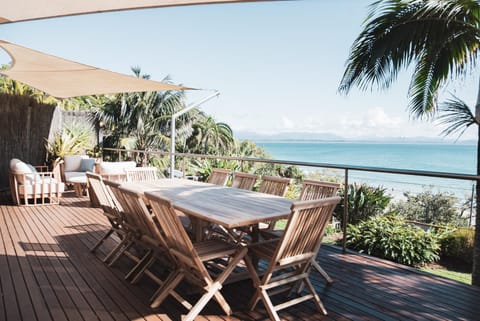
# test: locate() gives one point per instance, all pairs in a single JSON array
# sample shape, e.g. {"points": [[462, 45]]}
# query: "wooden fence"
{"points": [[24, 123]]}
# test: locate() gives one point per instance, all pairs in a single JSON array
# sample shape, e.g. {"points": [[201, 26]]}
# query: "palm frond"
{"points": [[440, 37], [457, 115]]}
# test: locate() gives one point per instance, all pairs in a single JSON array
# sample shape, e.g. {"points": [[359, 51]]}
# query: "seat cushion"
{"points": [[70, 175], [50, 186], [72, 163]]}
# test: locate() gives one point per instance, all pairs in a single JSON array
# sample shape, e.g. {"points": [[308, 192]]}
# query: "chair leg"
{"points": [[214, 288], [170, 284], [120, 252], [139, 266], [115, 250], [269, 305], [316, 298], [223, 303], [100, 242], [321, 271]]}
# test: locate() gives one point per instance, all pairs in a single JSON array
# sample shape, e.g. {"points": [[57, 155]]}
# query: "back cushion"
{"points": [[115, 167], [72, 163], [20, 167], [87, 164]]}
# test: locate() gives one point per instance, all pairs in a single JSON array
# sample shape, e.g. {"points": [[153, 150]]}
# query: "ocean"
{"points": [[438, 157]]}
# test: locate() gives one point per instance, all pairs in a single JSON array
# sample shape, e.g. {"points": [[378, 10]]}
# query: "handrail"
{"points": [[385, 170], [345, 168]]}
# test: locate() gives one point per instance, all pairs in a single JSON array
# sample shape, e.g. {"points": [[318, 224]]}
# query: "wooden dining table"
{"points": [[226, 206]]}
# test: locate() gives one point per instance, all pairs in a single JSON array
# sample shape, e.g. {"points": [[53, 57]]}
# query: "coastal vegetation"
{"points": [[440, 39]]}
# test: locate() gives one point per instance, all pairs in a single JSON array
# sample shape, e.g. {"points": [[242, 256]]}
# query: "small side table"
{"points": [[79, 185]]}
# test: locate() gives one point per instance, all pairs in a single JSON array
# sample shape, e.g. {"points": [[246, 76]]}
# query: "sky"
{"points": [[277, 65]]}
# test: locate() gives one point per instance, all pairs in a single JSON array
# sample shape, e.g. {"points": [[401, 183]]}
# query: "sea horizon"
{"points": [[406, 155]]}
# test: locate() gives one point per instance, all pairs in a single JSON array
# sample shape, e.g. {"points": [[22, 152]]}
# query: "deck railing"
{"points": [[343, 167]]}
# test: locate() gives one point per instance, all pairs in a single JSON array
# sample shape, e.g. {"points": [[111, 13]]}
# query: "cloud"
{"points": [[287, 123]]}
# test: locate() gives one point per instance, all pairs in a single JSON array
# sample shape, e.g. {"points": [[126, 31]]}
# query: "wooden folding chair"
{"points": [[314, 190], [191, 259], [131, 222], [111, 209], [290, 257], [148, 237], [274, 185], [311, 190], [219, 176], [244, 180], [141, 174]]}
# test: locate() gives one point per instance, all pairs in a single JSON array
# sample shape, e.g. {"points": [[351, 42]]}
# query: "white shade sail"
{"points": [[63, 78], [22, 10]]}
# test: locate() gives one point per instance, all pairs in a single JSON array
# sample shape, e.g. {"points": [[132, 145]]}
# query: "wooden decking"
{"points": [[47, 273]]}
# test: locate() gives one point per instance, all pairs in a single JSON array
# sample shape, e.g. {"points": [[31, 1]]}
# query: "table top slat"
{"points": [[229, 207]]}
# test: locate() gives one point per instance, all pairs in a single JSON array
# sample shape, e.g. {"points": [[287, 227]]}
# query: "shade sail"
{"points": [[21, 10], [63, 78]]}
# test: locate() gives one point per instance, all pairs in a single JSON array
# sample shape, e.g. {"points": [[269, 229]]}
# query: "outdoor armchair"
{"points": [[32, 185]]}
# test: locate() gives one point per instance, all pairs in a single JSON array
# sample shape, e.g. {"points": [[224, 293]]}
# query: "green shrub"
{"points": [[393, 239], [363, 202], [428, 207], [458, 245]]}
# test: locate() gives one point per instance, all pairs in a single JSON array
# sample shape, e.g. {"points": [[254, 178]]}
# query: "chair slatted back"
{"points": [[136, 208], [274, 185], [313, 189], [304, 231], [244, 180], [176, 237], [104, 195], [141, 174], [219, 176], [130, 221]]}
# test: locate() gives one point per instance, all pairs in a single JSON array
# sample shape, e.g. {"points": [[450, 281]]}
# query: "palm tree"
{"points": [[441, 38], [210, 136], [142, 118]]}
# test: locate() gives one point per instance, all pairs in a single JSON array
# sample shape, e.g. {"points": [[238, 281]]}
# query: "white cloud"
{"points": [[287, 123]]}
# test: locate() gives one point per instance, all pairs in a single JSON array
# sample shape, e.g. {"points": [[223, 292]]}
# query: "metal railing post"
{"points": [[345, 212]]}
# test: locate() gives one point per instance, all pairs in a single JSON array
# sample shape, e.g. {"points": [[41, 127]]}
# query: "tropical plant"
{"points": [[428, 207], [74, 138], [363, 202], [393, 239], [209, 136], [142, 119], [440, 37]]}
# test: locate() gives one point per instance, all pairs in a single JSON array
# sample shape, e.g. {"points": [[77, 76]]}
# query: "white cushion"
{"points": [[116, 167], [70, 175], [47, 188], [19, 167], [72, 163]]}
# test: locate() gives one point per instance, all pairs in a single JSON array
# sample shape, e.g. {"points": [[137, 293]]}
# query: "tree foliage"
{"points": [[428, 207]]}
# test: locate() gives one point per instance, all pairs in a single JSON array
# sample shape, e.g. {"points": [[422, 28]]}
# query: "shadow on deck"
{"points": [[48, 273]]}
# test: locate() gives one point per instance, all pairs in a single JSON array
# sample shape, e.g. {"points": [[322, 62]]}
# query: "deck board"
{"points": [[48, 273]]}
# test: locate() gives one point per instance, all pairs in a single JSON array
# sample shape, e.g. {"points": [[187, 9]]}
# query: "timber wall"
{"points": [[24, 123]]}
